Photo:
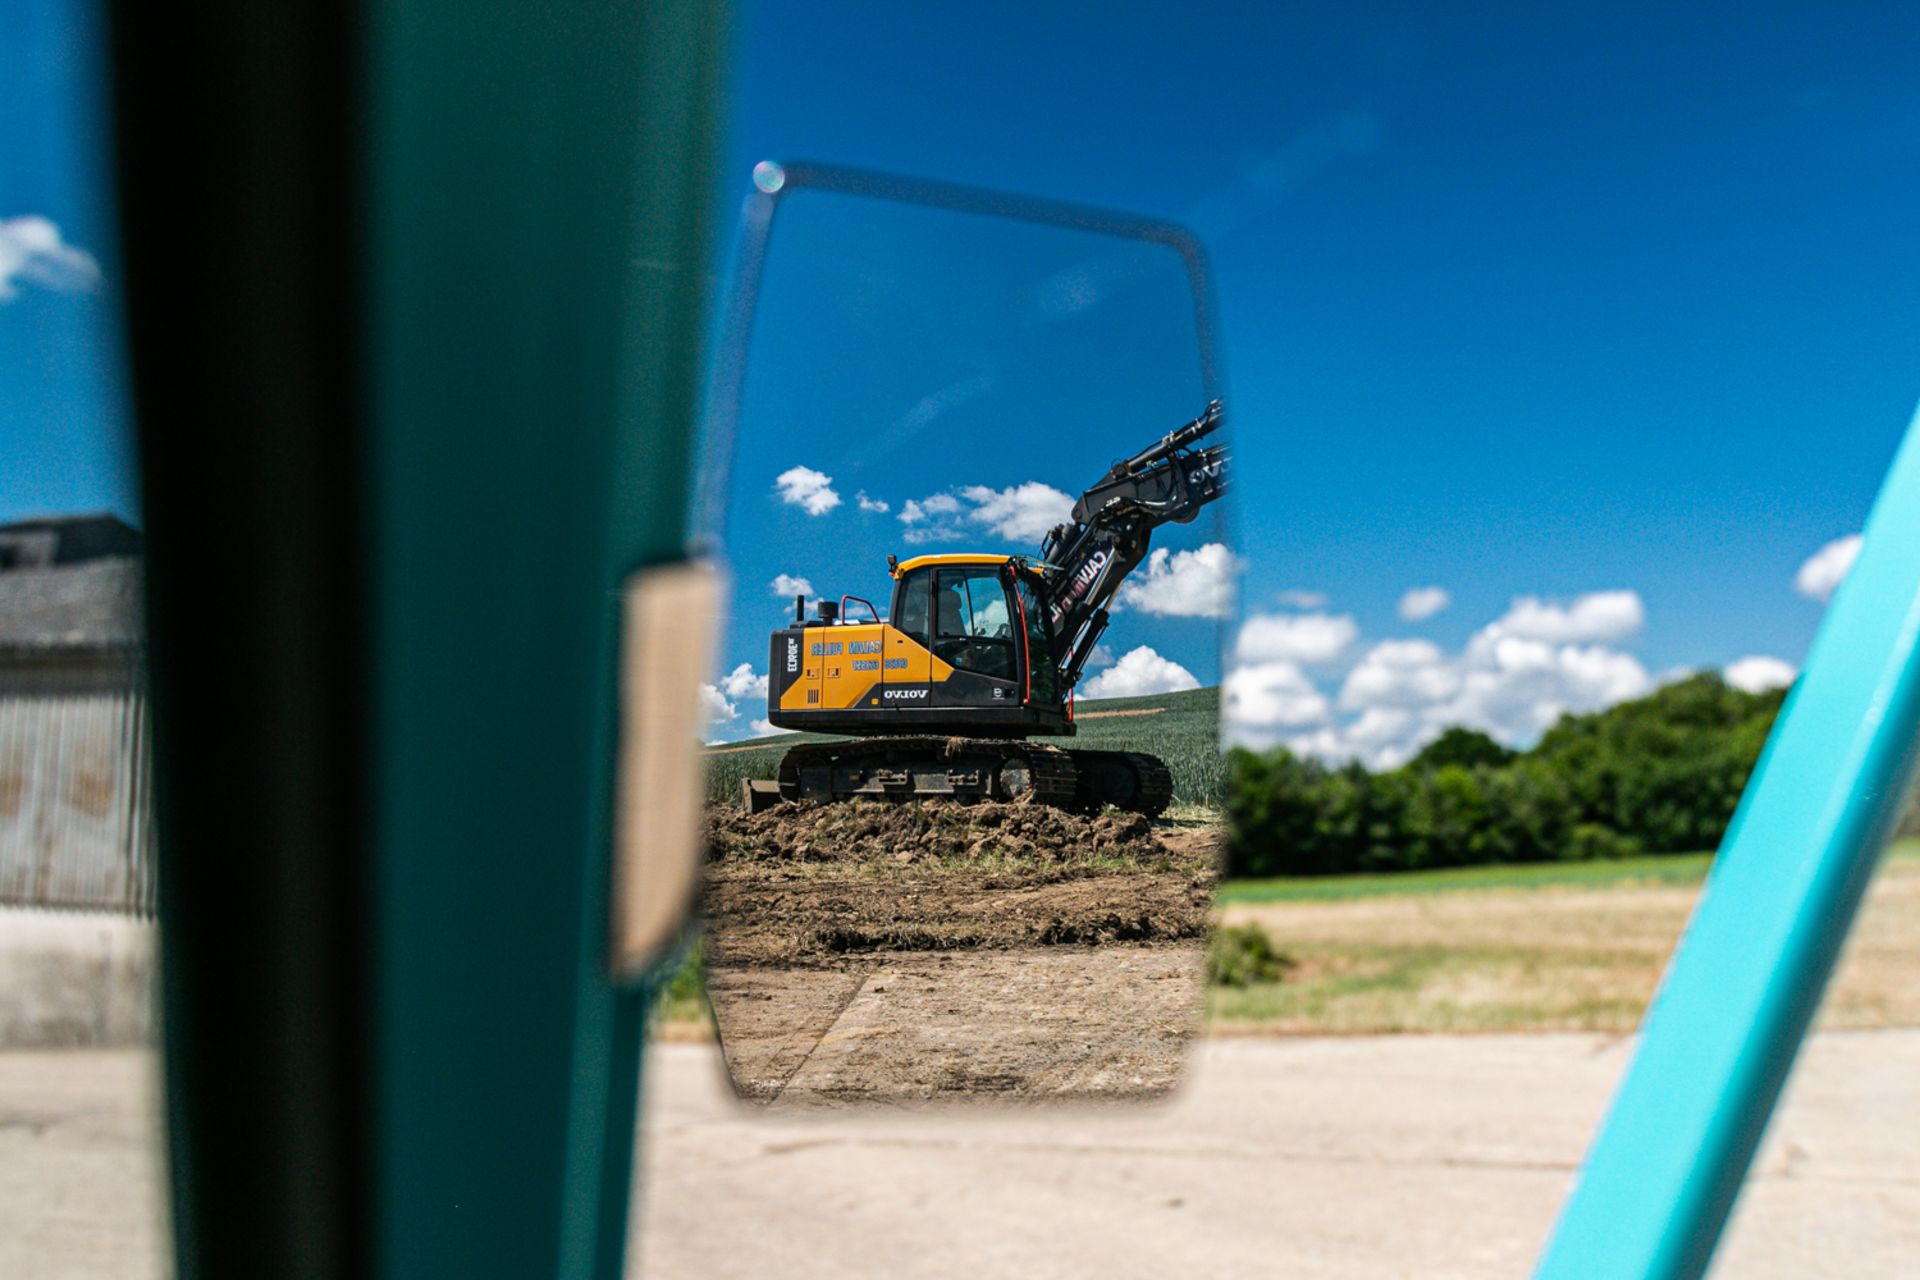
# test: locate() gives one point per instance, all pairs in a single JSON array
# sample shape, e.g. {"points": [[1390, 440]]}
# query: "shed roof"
{"points": [[47, 541], [92, 605]]}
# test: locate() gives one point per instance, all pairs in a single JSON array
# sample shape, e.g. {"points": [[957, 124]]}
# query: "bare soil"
{"points": [[932, 952]]}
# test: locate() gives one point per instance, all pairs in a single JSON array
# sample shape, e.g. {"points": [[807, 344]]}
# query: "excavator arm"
{"points": [[1085, 560]]}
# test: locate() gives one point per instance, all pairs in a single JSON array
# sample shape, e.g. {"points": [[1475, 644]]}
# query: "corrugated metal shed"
{"points": [[76, 825]]}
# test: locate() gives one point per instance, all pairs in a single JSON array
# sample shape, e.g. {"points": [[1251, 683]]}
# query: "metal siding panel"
{"points": [[75, 818]]}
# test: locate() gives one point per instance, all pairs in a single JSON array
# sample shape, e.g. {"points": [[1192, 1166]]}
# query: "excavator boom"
{"points": [[1086, 559]]}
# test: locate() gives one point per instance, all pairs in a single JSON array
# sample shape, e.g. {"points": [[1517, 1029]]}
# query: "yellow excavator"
{"points": [[980, 652]]}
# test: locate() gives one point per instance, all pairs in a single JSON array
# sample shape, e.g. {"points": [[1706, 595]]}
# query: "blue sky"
{"points": [[1615, 313], [62, 381], [1602, 322], [927, 381]]}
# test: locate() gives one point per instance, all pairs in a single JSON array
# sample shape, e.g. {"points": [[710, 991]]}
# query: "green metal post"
{"points": [[539, 192]]}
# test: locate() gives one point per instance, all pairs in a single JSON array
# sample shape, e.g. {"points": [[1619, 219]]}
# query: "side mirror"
{"points": [[975, 854]]}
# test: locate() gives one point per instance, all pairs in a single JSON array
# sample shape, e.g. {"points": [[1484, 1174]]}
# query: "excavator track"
{"points": [[1130, 780], [905, 768]]}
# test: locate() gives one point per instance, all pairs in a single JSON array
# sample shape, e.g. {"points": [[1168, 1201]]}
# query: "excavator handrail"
{"points": [[1026, 643], [858, 600]]}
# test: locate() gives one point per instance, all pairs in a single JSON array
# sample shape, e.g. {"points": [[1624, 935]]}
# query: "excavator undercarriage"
{"points": [[974, 769]]}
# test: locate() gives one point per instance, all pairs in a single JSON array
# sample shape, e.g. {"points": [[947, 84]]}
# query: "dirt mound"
{"points": [[859, 945], [1030, 835], [812, 884]]}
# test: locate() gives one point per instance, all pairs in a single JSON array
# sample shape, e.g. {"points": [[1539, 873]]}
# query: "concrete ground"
{"points": [[1427, 1156], [1363, 1157], [74, 978]]}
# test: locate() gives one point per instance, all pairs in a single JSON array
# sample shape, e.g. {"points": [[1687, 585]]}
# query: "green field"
{"points": [[1656, 869], [1677, 868], [1181, 728]]}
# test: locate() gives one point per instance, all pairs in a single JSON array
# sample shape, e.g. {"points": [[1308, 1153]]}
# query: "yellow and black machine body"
{"points": [[979, 653]]}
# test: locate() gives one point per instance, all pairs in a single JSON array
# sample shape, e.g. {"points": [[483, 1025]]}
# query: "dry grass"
{"points": [[1511, 959]]}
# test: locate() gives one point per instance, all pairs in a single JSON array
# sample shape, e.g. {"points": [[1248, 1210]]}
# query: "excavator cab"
{"points": [[980, 615], [966, 649]]}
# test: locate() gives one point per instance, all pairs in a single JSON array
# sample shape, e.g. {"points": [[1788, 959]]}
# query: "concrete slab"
{"points": [[82, 979], [1355, 1158], [910, 1026], [1425, 1156]]}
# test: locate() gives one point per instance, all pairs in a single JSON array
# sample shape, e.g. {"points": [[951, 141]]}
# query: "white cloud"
{"points": [[1298, 599], [1384, 729], [1400, 673], [1820, 576], [1422, 603], [1325, 743], [786, 584], [1515, 689], [742, 682], [761, 728], [1380, 738], [1266, 695], [1023, 513], [810, 490], [33, 252], [926, 518], [1598, 616], [1757, 673], [1295, 637], [714, 705], [940, 504], [1184, 584], [1100, 657], [1511, 686], [718, 703], [873, 505], [1140, 672]]}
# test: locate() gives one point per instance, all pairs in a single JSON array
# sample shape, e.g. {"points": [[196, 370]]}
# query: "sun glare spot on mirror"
{"points": [[769, 177]]}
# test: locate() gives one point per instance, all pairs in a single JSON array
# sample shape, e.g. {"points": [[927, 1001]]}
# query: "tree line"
{"points": [[1661, 774]]}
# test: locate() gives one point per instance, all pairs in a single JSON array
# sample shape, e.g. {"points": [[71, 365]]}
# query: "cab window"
{"points": [[972, 629], [910, 615]]}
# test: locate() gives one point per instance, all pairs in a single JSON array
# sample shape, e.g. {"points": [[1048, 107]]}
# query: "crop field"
{"points": [[1180, 728], [1542, 947]]}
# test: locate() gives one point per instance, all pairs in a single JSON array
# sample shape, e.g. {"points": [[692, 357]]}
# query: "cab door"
{"points": [[906, 662], [973, 638]]}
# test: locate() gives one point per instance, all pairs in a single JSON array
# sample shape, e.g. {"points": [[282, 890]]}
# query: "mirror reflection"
{"points": [[965, 786]]}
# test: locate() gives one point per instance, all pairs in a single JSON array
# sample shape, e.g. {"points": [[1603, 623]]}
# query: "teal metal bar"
{"points": [[540, 181], [1662, 1176]]}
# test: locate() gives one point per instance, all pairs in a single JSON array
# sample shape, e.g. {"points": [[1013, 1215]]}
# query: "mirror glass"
{"points": [[964, 777]]}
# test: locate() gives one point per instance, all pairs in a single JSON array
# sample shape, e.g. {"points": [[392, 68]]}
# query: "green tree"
{"points": [[1661, 774], [1468, 747]]}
